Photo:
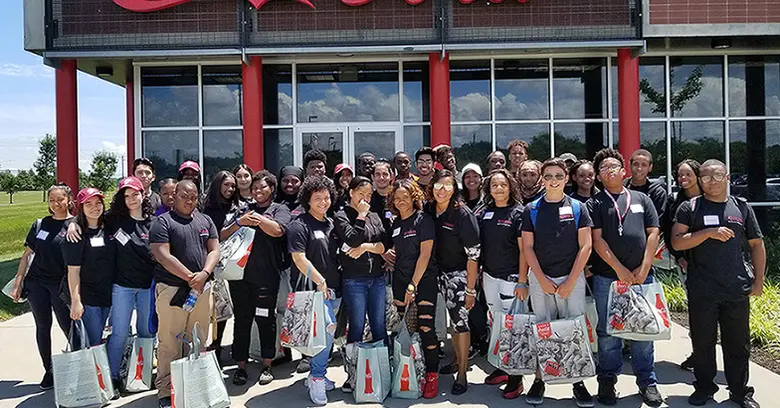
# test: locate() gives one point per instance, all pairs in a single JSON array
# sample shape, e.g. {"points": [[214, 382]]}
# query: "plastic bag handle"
{"points": [[302, 276], [77, 325], [195, 349], [518, 307]]}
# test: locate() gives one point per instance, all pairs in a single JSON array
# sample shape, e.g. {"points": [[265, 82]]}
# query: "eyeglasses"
{"points": [[549, 177], [439, 186], [718, 177], [425, 161], [614, 167]]}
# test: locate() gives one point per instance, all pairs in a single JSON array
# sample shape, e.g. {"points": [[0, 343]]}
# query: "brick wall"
{"points": [[714, 11]]}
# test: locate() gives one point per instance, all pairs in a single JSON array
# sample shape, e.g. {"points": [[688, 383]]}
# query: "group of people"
{"points": [[465, 242]]}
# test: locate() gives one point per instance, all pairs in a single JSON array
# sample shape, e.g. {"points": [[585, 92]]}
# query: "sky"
{"points": [[27, 109]]}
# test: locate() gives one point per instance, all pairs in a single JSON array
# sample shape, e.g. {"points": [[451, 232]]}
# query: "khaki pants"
{"points": [[174, 321]]}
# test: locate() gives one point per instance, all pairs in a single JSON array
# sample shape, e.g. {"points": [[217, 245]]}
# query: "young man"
{"points": [[143, 169], [365, 164], [290, 179], [496, 160], [402, 164], [445, 156], [383, 180], [185, 244], [625, 235], [556, 245], [518, 153], [424, 158], [314, 163], [715, 230], [641, 166]]}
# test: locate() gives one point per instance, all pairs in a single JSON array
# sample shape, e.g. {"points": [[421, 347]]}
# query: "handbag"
{"points": [[512, 344], [81, 378], [234, 254], [196, 379], [373, 381], [563, 351]]}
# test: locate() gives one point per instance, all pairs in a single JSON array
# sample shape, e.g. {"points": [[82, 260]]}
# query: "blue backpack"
{"points": [[576, 209]]}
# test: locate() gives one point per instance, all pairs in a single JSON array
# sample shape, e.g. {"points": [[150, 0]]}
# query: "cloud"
{"points": [[26, 71]]}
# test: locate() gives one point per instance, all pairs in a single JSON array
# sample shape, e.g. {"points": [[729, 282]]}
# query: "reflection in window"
{"points": [[168, 149], [348, 93], [580, 88], [169, 96], [755, 159], [754, 86], [697, 87], [581, 139], [652, 88], [416, 137], [698, 140], [222, 150], [417, 98], [277, 148], [277, 95], [469, 91], [379, 142], [472, 144], [221, 95], [537, 135], [331, 143], [653, 139], [521, 89]]}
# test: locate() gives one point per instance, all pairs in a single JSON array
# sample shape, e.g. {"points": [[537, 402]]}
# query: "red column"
{"points": [[67, 124], [628, 102], [252, 98], [439, 71], [130, 125]]}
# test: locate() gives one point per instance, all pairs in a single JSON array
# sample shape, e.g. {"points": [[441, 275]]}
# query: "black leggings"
{"points": [[43, 298], [427, 291], [253, 304]]}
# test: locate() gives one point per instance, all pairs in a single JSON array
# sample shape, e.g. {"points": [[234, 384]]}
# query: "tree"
{"points": [[46, 163], [8, 183], [103, 171], [26, 181]]}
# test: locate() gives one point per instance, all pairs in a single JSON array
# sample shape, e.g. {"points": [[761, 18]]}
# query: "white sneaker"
{"points": [[329, 385], [317, 391]]}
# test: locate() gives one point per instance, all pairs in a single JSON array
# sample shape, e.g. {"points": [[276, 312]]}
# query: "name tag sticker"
{"points": [[319, 234], [388, 214], [96, 242], [42, 235], [396, 232], [261, 312], [565, 211], [345, 248], [711, 220], [121, 237], [637, 208], [488, 215]]}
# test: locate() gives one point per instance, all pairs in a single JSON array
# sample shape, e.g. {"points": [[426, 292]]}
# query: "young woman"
{"points": [[41, 283], [91, 265], [556, 244], [529, 176], [167, 198], [342, 176], [255, 296], [471, 180], [360, 239], [499, 227], [457, 256], [415, 273], [243, 174], [583, 181]]}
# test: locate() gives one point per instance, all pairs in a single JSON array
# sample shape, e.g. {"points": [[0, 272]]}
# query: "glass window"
{"points": [[417, 97], [537, 135], [222, 150], [221, 96], [277, 95], [698, 140], [521, 89], [169, 96], [168, 149], [469, 91], [697, 87], [755, 159], [348, 93], [472, 143], [580, 88], [416, 137], [277, 149], [754, 86], [653, 139], [581, 139], [652, 88]]}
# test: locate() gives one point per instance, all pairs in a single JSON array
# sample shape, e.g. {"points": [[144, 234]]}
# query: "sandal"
{"points": [[240, 377]]}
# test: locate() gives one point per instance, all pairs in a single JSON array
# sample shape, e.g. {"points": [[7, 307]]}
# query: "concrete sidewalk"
{"points": [[21, 371]]}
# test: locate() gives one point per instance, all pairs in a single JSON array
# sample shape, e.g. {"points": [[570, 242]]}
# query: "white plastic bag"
{"points": [[512, 343], [563, 351], [196, 380], [591, 322], [234, 254], [82, 378], [139, 365], [408, 365], [303, 325], [373, 373], [638, 312]]}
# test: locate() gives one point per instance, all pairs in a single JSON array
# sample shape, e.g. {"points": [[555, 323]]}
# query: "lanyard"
{"points": [[617, 208]]}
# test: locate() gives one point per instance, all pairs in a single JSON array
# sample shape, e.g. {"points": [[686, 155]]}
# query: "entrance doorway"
{"points": [[344, 143]]}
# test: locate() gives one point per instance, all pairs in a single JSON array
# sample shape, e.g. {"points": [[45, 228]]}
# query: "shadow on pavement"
{"points": [[10, 389]]}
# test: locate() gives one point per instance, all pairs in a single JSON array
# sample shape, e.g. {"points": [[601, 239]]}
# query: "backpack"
{"points": [[576, 209]]}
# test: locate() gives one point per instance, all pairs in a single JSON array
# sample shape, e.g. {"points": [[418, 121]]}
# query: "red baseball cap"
{"points": [[131, 182], [189, 164], [87, 193], [343, 166]]}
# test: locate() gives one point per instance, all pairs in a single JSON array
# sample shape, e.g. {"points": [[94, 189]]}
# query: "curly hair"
{"points": [[313, 184], [418, 197], [514, 187], [267, 176], [314, 155], [68, 193], [517, 142], [604, 154], [457, 195], [118, 208]]}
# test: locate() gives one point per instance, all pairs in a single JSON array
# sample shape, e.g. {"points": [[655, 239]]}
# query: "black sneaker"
{"points": [[745, 402], [535, 395], [164, 402], [450, 368], [687, 365], [47, 382], [651, 396], [266, 376], [304, 366], [581, 396], [606, 395], [240, 377], [117, 384], [699, 398]]}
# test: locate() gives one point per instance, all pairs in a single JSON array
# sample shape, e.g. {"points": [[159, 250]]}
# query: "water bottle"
{"points": [[192, 298]]}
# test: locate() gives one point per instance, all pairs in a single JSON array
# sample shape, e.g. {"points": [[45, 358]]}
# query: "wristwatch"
{"points": [[411, 288]]}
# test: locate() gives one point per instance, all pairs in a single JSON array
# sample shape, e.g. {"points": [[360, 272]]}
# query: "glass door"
{"points": [[344, 143], [381, 140], [330, 139]]}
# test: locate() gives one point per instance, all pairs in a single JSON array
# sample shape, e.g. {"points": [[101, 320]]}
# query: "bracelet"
{"points": [[521, 285], [471, 292], [238, 224]]}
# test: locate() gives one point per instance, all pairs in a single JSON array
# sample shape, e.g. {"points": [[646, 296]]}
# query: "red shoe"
{"points": [[513, 388], [497, 377], [431, 389]]}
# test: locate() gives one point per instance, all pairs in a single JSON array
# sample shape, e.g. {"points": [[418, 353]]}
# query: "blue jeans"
{"points": [[94, 319], [611, 348], [319, 363], [361, 296], [124, 301]]}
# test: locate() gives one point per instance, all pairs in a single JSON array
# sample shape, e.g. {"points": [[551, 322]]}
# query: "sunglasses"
{"points": [[716, 176], [439, 186], [549, 177]]}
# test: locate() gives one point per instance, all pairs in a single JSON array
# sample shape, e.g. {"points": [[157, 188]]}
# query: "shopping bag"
{"points": [[223, 303], [81, 378], [392, 317], [196, 380], [563, 351], [303, 325], [638, 312], [139, 373], [372, 383], [408, 365], [512, 343], [591, 322], [234, 254], [440, 321]]}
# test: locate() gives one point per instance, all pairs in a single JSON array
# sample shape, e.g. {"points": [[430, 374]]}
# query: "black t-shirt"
{"points": [[222, 215], [134, 262], [556, 234], [499, 228], [155, 200], [296, 210], [352, 232], [472, 204], [379, 207], [534, 197], [656, 190], [407, 236], [457, 231], [95, 254], [629, 248], [575, 195], [187, 238], [715, 268], [48, 265], [312, 237], [266, 259], [290, 200]]}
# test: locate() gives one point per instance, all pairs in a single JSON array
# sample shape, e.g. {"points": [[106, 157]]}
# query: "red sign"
{"points": [[147, 6]]}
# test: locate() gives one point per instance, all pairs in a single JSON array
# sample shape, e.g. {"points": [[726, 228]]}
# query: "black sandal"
{"points": [[458, 388], [240, 377]]}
